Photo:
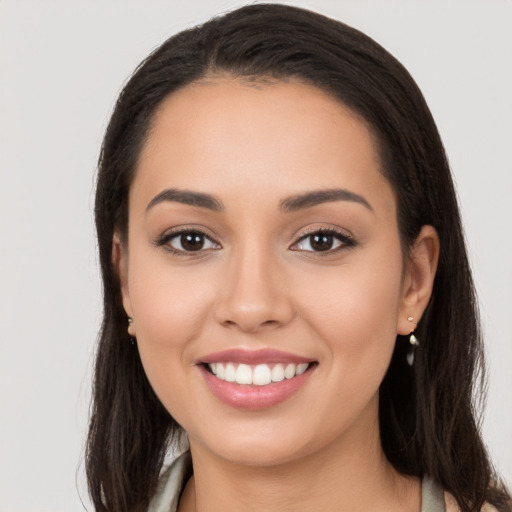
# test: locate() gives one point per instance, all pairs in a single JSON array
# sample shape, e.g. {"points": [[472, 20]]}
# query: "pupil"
{"points": [[192, 241], [321, 242]]}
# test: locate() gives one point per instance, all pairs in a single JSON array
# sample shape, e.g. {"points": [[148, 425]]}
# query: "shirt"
{"points": [[173, 480]]}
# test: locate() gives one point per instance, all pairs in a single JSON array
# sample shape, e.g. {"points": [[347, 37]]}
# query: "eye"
{"points": [[323, 241], [188, 241]]}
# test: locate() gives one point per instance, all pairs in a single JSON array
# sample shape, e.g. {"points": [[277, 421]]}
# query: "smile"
{"points": [[259, 375], [255, 380]]}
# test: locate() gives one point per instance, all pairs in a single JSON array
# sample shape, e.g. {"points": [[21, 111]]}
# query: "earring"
{"points": [[132, 337], [410, 354], [414, 343]]}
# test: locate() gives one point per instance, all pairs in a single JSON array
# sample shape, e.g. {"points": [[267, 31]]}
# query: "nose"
{"points": [[253, 295]]}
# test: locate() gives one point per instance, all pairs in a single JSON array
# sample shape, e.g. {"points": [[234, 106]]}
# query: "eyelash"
{"points": [[164, 241], [346, 241]]}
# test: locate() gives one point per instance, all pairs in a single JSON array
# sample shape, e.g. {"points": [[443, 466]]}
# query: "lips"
{"points": [[254, 357], [255, 379]]}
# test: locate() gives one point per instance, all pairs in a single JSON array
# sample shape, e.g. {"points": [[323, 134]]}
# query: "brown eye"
{"points": [[189, 241], [192, 241], [323, 241]]}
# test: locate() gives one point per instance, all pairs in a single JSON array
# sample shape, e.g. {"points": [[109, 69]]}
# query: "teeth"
{"points": [[220, 371], [301, 368], [243, 374], [277, 373], [260, 375], [289, 371], [230, 375]]}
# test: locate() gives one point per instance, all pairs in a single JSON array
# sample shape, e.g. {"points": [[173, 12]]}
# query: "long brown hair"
{"points": [[428, 419]]}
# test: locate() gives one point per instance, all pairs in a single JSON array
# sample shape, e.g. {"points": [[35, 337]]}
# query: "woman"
{"points": [[285, 280]]}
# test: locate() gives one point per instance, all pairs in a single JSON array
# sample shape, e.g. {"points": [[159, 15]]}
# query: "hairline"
{"points": [[215, 75]]}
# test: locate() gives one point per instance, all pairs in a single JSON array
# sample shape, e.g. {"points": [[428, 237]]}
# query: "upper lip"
{"points": [[246, 356]]}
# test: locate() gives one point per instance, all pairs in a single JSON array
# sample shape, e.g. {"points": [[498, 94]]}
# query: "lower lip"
{"points": [[254, 397]]}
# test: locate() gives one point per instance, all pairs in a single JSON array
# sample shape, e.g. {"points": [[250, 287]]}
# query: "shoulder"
{"points": [[435, 499], [452, 506], [170, 485]]}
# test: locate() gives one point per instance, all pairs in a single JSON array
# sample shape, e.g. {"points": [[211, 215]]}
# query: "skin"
{"points": [[257, 285]]}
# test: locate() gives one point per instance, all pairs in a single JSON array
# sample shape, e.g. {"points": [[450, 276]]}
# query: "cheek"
{"points": [[354, 310], [170, 306], [355, 319]]}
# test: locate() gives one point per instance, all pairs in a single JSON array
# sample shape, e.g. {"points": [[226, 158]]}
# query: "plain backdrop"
{"points": [[62, 63]]}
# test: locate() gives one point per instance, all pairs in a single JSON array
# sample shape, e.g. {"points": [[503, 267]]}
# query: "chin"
{"points": [[260, 453], [266, 443]]}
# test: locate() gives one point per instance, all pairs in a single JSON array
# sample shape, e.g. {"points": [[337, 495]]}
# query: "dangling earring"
{"points": [[414, 343], [410, 354], [130, 323]]}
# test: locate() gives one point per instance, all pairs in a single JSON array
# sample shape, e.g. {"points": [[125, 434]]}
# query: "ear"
{"points": [[419, 276], [120, 263]]}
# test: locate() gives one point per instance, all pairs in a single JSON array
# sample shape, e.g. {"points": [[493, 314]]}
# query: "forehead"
{"points": [[221, 135]]}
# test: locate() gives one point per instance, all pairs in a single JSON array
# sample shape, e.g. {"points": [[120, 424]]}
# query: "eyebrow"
{"points": [[314, 198], [187, 197], [290, 204]]}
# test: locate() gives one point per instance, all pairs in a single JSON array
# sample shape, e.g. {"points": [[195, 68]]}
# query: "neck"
{"points": [[350, 474]]}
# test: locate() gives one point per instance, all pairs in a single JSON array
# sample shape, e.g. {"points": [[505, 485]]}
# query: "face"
{"points": [[263, 247]]}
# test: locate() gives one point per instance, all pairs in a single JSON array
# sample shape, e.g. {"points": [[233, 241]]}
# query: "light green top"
{"points": [[173, 479]]}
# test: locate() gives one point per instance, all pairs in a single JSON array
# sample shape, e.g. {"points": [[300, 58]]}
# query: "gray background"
{"points": [[62, 64]]}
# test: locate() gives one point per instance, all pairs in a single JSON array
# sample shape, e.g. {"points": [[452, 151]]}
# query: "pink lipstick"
{"points": [[255, 379]]}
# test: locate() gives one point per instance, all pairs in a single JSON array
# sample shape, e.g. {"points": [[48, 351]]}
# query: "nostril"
{"points": [[251, 315], [251, 326]]}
